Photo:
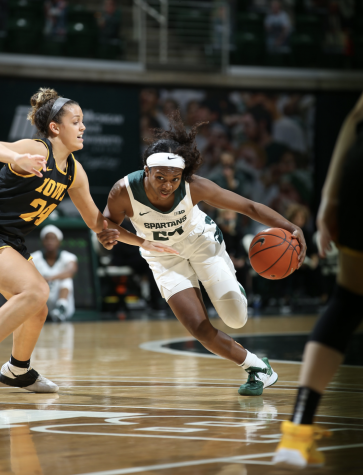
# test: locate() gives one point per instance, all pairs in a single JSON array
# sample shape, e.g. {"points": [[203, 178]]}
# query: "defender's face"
{"points": [[164, 180]]}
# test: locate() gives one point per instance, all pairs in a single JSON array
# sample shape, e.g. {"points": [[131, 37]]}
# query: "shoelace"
{"points": [[252, 373]]}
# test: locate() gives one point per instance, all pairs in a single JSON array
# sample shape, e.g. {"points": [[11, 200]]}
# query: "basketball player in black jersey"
{"points": [[34, 180], [338, 220]]}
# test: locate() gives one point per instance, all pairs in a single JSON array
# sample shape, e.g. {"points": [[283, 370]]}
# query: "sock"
{"points": [[252, 360], [307, 402], [15, 367]]}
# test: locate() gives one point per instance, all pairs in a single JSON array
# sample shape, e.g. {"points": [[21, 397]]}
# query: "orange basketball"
{"points": [[274, 253]]}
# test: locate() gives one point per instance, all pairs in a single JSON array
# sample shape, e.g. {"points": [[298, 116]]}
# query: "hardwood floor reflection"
{"points": [[122, 409]]}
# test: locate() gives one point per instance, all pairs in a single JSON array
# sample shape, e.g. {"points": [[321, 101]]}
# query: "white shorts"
{"points": [[202, 256]]}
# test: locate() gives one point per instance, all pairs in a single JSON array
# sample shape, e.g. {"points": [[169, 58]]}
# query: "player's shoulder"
{"points": [[119, 189], [34, 147], [67, 256]]}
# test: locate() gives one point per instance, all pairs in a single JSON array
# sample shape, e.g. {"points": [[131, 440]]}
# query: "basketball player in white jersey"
{"points": [[162, 203]]}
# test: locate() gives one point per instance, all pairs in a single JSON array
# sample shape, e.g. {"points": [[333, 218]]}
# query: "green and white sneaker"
{"points": [[258, 379]]}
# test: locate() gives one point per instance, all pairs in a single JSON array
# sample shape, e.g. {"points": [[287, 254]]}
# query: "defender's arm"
{"points": [[24, 156]]}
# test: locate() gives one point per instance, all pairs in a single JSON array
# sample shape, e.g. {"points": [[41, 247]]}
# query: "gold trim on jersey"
{"points": [[30, 258], [63, 173], [3, 247], [75, 172], [18, 174]]}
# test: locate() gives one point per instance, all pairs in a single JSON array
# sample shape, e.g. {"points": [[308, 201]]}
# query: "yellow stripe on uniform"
{"points": [[75, 172]]}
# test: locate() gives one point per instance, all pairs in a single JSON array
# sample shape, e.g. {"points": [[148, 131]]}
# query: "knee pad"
{"points": [[337, 324], [229, 302]]}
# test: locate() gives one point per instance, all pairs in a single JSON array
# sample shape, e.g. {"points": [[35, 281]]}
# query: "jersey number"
{"points": [[163, 235], [42, 212]]}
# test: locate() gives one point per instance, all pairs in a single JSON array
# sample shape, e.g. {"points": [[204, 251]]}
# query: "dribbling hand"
{"points": [[31, 163], [299, 235], [108, 237]]}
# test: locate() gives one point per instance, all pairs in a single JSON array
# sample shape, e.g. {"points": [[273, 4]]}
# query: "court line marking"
{"points": [[236, 459], [338, 447], [275, 388], [48, 430], [259, 421], [122, 378], [262, 420], [156, 408], [157, 346]]}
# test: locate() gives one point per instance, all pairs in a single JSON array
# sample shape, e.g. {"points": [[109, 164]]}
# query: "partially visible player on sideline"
{"points": [[162, 203], [34, 180], [58, 267], [339, 220]]}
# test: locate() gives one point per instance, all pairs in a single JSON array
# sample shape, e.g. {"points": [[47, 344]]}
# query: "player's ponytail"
{"points": [[42, 103], [177, 140]]}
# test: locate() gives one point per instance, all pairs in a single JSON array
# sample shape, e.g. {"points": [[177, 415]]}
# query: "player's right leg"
{"points": [[23, 315]]}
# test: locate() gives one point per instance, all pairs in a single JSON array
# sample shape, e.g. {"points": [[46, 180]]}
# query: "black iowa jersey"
{"points": [[27, 200]]}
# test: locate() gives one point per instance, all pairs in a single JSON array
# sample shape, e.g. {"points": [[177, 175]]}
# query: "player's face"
{"points": [[164, 180], [72, 128]]}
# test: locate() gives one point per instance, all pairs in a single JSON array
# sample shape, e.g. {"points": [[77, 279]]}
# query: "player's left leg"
{"points": [[189, 308], [17, 371]]}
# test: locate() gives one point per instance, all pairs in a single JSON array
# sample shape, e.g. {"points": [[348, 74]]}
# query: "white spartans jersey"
{"points": [[169, 227], [60, 265]]}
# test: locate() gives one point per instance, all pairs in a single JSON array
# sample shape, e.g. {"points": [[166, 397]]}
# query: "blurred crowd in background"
{"points": [[62, 28], [336, 17], [310, 33]]}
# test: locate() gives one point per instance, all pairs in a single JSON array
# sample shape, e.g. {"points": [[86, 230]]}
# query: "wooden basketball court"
{"points": [[123, 409]]}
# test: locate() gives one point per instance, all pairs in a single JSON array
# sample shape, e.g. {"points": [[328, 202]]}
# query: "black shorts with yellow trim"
{"points": [[350, 222], [15, 243]]}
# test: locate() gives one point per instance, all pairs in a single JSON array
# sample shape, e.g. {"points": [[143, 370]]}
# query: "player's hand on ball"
{"points": [[300, 237], [108, 237], [327, 224], [154, 246], [31, 163]]}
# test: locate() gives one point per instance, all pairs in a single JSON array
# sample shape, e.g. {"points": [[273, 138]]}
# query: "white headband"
{"points": [[163, 159], [51, 229]]}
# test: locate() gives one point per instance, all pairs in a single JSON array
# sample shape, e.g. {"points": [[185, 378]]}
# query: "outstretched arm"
{"points": [[25, 156], [207, 191], [119, 206], [80, 195], [327, 214]]}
